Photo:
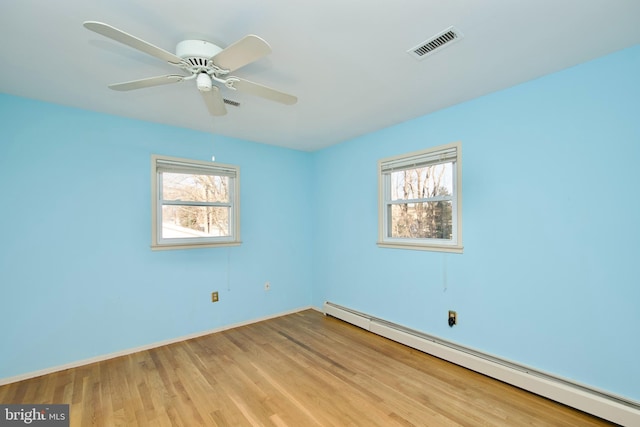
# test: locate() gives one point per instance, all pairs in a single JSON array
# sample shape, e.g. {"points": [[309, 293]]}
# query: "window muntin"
{"points": [[420, 200], [195, 204]]}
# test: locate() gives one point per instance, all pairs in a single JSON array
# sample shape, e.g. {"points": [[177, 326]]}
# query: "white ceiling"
{"points": [[345, 60]]}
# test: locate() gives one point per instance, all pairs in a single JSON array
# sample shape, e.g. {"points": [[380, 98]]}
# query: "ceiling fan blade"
{"points": [[131, 41], [214, 101], [243, 52], [263, 91], [143, 83]]}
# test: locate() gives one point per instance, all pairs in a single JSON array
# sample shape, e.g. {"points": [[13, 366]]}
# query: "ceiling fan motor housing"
{"points": [[197, 52]]}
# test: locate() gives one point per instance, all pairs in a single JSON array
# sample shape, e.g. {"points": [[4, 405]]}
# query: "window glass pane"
{"points": [[195, 188], [180, 222], [422, 183], [429, 220]]}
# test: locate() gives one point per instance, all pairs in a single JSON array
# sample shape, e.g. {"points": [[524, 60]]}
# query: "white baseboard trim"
{"points": [[600, 403], [34, 374]]}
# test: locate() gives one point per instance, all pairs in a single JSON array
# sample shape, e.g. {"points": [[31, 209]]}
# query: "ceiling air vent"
{"points": [[436, 43], [230, 102]]}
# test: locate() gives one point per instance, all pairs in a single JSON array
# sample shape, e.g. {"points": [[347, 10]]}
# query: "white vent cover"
{"points": [[231, 102], [436, 43]]}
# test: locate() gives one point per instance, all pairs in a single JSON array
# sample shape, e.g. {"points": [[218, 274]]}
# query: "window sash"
{"points": [[388, 202], [196, 240], [162, 200], [432, 240]]}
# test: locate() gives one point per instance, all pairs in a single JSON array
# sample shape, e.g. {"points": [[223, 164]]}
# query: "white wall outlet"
{"points": [[267, 286]]}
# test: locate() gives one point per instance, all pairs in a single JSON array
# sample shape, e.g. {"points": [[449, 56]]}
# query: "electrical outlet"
{"points": [[214, 296], [267, 286], [453, 318]]}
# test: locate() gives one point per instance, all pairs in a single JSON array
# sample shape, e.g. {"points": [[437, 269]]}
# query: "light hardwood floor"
{"points": [[302, 369]]}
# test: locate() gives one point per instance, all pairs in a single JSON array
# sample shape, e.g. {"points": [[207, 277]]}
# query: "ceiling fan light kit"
{"points": [[203, 81], [205, 62]]}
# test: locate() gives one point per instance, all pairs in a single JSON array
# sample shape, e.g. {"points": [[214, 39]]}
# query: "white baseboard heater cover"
{"points": [[587, 399]]}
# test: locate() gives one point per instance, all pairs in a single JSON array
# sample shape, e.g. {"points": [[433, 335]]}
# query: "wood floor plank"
{"points": [[302, 369]]}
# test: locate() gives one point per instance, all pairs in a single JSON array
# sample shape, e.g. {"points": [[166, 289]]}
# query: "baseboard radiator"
{"points": [[597, 402]]}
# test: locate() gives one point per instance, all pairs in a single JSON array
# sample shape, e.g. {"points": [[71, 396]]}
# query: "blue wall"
{"points": [[78, 278], [548, 278], [550, 271]]}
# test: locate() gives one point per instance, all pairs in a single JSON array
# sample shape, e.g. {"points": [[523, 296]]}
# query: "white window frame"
{"points": [[437, 155], [161, 164]]}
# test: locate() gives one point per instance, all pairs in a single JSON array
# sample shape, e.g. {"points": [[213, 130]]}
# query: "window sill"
{"points": [[193, 246], [418, 247]]}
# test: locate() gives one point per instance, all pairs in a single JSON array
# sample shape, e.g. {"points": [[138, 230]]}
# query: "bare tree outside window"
{"points": [[426, 213], [182, 220]]}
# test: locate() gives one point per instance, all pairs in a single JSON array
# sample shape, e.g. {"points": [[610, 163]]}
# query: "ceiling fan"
{"points": [[205, 62]]}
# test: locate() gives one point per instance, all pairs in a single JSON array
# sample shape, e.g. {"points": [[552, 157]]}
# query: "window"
{"points": [[194, 204], [420, 203]]}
